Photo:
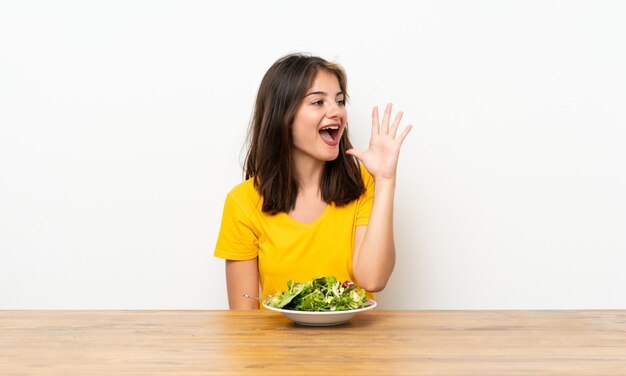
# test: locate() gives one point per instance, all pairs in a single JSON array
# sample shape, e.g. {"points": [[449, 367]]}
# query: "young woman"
{"points": [[308, 207]]}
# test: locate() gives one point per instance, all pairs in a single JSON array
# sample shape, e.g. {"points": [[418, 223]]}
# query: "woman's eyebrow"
{"points": [[322, 93]]}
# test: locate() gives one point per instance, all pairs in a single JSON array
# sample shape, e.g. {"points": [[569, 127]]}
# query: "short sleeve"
{"points": [[364, 203], [237, 239]]}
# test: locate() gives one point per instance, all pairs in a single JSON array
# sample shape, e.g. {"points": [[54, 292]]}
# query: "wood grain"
{"points": [[264, 343]]}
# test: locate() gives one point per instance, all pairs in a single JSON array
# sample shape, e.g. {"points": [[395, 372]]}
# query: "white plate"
{"points": [[325, 318]]}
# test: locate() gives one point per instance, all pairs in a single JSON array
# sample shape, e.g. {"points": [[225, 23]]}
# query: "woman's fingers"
{"points": [[404, 133], [384, 129], [375, 124], [355, 153], [396, 122]]}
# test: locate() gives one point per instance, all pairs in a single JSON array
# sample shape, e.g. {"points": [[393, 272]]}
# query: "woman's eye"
{"points": [[318, 102], [341, 102]]}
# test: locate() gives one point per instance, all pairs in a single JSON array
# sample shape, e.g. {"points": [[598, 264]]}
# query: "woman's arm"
{"points": [[374, 250], [242, 277]]}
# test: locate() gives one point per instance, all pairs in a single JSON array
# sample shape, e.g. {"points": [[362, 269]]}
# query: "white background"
{"points": [[122, 125]]}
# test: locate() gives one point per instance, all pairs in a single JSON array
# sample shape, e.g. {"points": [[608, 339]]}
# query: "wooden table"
{"points": [[376, 342]]}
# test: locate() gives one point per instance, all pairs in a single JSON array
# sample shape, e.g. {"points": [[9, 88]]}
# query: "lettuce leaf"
{"points": [[320, 294]]}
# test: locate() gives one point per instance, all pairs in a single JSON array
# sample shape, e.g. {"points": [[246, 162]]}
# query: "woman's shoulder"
{"points": [[244, 190], [243, 200]]}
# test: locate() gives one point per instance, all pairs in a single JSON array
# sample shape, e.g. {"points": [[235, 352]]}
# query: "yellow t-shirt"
{"points": [[287, 249]]}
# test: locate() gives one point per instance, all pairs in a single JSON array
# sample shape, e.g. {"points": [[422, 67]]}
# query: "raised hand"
{"points": [[381, 156]]}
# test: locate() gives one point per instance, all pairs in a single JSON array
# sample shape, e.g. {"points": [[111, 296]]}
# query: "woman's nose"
{"points": [[334, 110]]}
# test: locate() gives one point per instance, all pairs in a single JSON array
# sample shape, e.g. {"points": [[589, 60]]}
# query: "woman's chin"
{"points": [[331, 156]]}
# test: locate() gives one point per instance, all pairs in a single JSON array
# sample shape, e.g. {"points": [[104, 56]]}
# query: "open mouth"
{"points": [[330, 135]]}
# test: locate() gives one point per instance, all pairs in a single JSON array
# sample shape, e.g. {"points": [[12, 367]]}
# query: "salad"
{"points": [[320, 294]]}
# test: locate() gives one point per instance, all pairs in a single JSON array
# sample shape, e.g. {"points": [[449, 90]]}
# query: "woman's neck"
{"points": [[309, 173], [309, 203]]}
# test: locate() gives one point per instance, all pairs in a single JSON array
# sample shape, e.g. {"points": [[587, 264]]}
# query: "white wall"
{"points": [[122, 123]]}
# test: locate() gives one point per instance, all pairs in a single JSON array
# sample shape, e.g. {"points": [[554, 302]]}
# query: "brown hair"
{"points": [[270, 155]]}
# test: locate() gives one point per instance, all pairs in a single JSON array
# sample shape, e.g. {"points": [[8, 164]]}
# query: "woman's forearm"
{"points": [[375, 254], [242, 277]]}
